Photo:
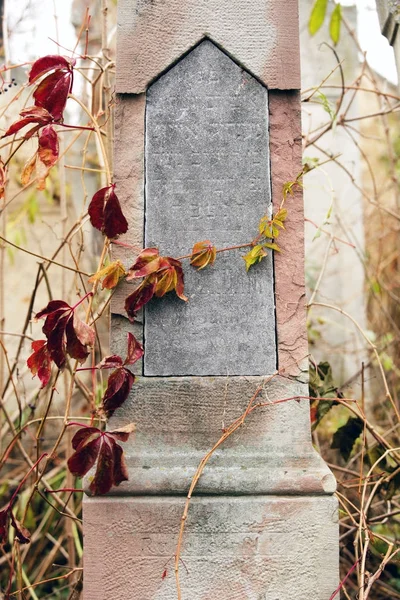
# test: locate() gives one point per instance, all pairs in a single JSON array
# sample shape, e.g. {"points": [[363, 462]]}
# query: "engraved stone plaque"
{"points": [[208, 177]]}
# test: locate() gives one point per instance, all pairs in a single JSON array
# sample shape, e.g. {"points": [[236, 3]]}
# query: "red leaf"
{"points": [[4, 522], [79, 337], [143, 294], [47, 63], [52, 93], [83, 435], [120, 470], [111, 362], [21, 533], [83, 459], [163, 271], [146, 263], [104, 477], [105, 213], [48, 146], [39, 362], [65, 332], [135, 350], [110, 469], [119, 385], [33, 114], [3, 179]]}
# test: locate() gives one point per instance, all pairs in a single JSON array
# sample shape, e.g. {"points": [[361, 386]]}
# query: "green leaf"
{"points": [[345, 437], [254, 256], [272, 246], [281, 215], [334, 25], [326, 105], [317, 16]]}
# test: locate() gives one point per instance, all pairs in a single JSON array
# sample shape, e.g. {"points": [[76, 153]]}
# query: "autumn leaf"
{"points": [[170, 277], [106, 214], [135, 350], [39, 362], [121, 380], [119, 385], [4, 521], [92, 445], [43, 159], [3, 179], [21, 533], [48, 63], [147, 262], [110, 275], [65, 332], [203, 254], [36, 115], [254, 256], [6, 518], [52, 93], [48, 149], [141, 296]]}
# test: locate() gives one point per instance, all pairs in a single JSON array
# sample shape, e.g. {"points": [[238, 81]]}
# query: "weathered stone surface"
{"points": [[285, 143], [207, 177], [179, 419], [262, 35], [235, 548]]}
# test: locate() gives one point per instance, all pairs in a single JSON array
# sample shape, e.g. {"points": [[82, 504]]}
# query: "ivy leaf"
{"points": [[268, 228], [21, 533], [43, 159], [162, 274], [272, 246], [65, 333], [345, 437], [39, 362], [203, 254], [141, 296], [119, 385], [48, 149], [170, 277], [134, 353], [135, 350], [106, 214], [317, 17], [91, 445], [335, 23], [52, 93], [110, 275], [48, 63], [254, 256], [33, 114], [4, 522], [3, 179], [147, 262]]}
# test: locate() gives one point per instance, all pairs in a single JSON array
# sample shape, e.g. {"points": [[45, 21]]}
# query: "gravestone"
{"points": [[207, 165], [207, 133]]}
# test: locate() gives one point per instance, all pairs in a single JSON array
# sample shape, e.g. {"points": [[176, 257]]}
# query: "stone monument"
{"points": [[207, 133]]}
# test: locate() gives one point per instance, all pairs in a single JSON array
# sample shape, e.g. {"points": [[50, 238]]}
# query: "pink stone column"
{"points": [[263, 520]]}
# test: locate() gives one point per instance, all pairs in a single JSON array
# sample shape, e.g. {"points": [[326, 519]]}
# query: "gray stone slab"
{"points": [[208, 177]]}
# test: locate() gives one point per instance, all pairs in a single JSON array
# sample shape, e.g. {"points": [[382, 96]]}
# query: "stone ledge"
{"points": [[234, 548]]}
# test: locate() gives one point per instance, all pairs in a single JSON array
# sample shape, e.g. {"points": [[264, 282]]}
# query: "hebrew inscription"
{"points": [[208, 177]]}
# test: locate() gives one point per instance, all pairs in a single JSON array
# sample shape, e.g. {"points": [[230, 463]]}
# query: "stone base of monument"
{"points": [[237, 548]]}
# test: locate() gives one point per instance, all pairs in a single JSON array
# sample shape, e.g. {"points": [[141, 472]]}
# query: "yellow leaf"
{"points": [[110, 275]]}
